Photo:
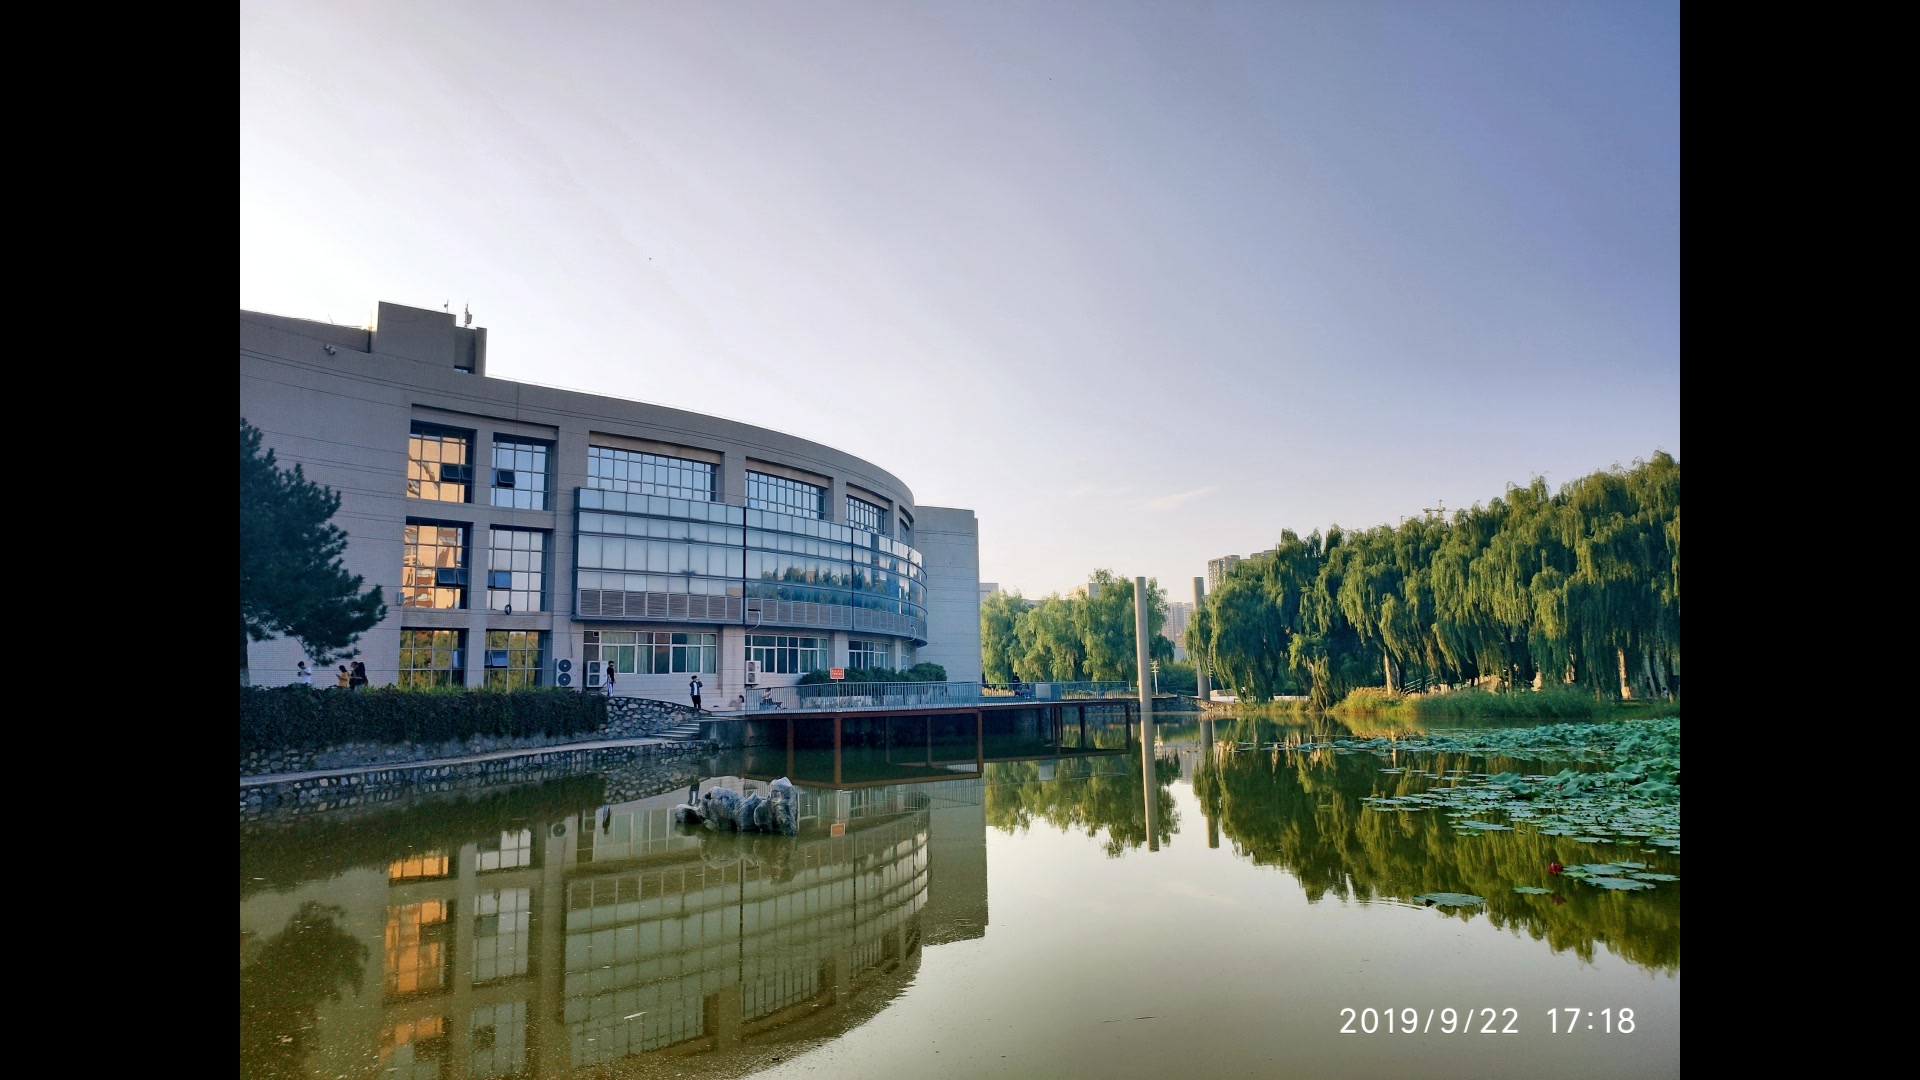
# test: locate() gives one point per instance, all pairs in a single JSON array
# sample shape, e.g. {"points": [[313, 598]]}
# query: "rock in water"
{"points": [[784, 803], [753, 812], [688, 814], [722, 808]]}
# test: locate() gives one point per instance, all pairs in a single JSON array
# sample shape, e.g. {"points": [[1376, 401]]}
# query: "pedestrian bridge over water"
{"points": [[833, 697], [864, 734]]}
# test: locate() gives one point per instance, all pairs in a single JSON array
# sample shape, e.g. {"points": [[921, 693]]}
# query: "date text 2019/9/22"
{"points": [[1480, 1021]]}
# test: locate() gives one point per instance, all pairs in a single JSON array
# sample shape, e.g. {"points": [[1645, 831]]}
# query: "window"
{"points": [[786, 496], [779, 654], [862, 514], [510, 850], [497, 1040], [869, 654], [515, 658], [520, 474], [434, 864], [650, 474], [414, 1049], [501, 918], [416, 955], [653, 652], [439, 463], [433, 565], [516, 570], [433, 658]]}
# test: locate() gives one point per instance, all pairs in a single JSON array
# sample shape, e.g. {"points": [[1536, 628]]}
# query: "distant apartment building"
{"points": [[1217, 570], [988, 588], [1178, 612]]}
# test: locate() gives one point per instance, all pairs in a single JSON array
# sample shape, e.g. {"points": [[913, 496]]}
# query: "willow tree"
{"points": [[1618, 593], [999, 642], [1470, 638], [1368, 594], [1199, 635], [1579, 586], [1248, 640], [1303, 581], [1104, 617], [1407, 618], [1049, 647]]}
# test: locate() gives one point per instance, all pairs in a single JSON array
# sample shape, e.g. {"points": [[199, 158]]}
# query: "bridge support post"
{"points": [[1143, 654]]}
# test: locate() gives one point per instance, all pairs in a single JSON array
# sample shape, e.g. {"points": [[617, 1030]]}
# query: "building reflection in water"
{"points": [[612, 934]]}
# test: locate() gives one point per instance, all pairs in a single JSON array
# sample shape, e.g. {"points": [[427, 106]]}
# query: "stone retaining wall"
{"points": [[632, 772], [627, 718]]}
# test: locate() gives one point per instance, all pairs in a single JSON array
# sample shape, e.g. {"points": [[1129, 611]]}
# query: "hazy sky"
{"points": [[1141, 284]]}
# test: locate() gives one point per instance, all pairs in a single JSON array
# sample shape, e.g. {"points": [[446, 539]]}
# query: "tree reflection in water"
{"points": [[1090, 793], [284, 982], [1303, 811]]}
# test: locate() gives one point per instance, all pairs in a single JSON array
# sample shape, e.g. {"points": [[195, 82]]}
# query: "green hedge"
{"points": [[303, 718]]}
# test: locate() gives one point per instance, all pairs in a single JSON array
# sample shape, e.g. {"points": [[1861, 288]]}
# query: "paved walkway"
{"points": [[434, 763]]}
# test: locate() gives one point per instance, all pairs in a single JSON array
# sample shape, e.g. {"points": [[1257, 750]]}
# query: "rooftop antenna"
{"points": [[469, 310]]}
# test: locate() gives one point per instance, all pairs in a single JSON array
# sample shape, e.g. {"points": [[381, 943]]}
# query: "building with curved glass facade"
{"points": [[512, 526]]}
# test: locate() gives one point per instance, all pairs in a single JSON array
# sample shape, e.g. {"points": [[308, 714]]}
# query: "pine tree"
{"points": [[292, 578]]}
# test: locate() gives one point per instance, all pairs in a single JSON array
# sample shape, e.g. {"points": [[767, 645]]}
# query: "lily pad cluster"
{"points": [[1621, 875], [1625, 740], [1626, 794], [1449, 899]]}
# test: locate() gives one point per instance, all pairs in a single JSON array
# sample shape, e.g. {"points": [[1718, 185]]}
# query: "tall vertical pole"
{"points": [[1143, 662], [1208, 759], [1199, 666]]}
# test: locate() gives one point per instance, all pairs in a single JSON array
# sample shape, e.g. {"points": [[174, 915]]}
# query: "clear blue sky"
{"points": [[1139, 283]]}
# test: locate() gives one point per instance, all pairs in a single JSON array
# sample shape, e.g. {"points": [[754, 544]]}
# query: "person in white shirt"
{"points": [[304, 674]]}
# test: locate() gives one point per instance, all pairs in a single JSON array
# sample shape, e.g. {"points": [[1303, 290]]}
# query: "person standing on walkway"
{"points": [[345, 679], [609, 680], [693, 690], [359, 676], [303, 674]]}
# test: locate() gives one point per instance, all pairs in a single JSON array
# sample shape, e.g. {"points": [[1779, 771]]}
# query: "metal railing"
{"points": [[842, 696]]}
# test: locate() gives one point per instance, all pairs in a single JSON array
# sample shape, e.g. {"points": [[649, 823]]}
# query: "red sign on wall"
{"points": [[837, 673]]}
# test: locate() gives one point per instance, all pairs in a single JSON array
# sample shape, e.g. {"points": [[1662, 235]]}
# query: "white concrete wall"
{"points": [[949, 543]]}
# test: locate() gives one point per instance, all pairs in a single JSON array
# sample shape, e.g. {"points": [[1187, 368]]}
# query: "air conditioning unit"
{"points": [[594, 675], [753, 673], [563, 672]]}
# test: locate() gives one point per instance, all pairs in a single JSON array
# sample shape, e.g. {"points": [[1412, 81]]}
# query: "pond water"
{"points": [[1278, 901]]}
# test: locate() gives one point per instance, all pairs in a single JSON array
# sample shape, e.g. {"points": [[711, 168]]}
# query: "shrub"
{"points": [[303, 718], [1369, 700]]}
